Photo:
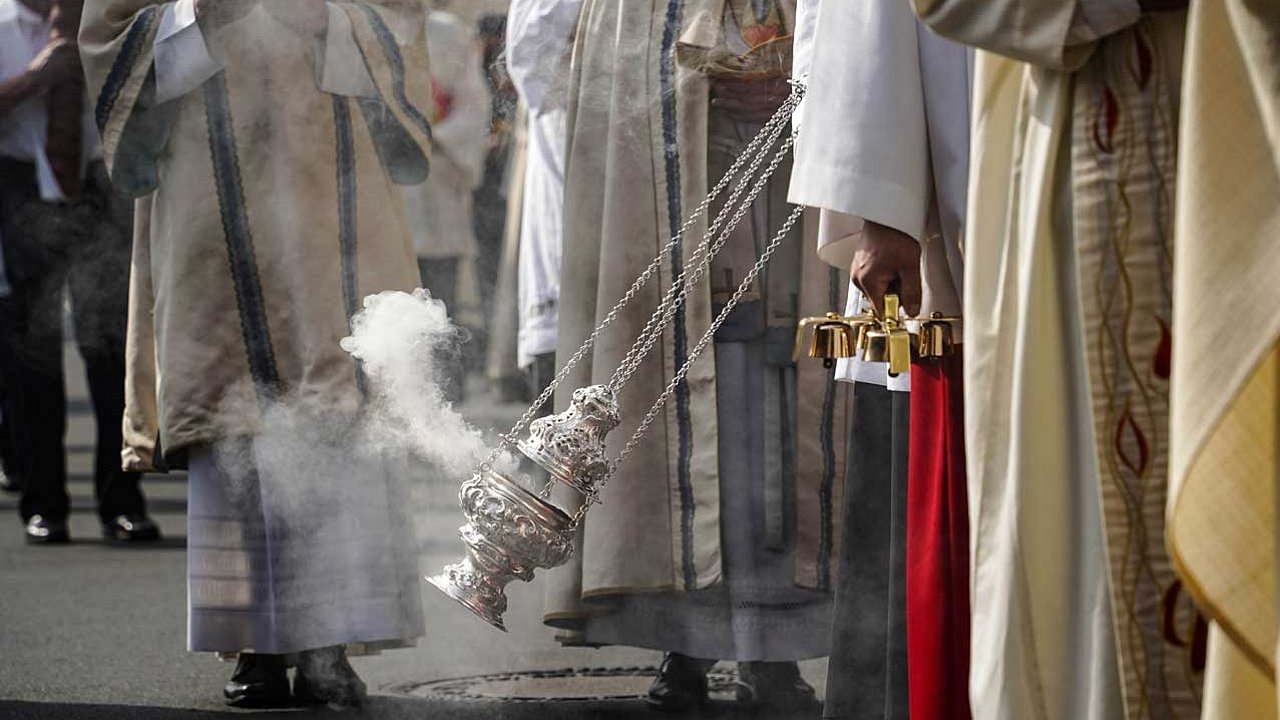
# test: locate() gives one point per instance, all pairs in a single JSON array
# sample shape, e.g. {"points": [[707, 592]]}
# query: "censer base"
{"points": [[467, 598], [510, 532]]}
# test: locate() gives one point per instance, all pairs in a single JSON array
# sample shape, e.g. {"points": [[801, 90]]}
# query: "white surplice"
{"points": [[884, 136], [539, 34]]}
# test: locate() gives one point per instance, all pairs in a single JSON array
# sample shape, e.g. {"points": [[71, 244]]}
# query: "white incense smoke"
{"points": [[398, 338]]}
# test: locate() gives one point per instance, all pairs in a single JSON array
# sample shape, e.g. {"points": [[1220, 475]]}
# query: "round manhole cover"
{"points": [[581, 685]]}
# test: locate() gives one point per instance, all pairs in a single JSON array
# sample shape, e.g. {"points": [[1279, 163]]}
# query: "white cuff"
{"points": [[183, 60], [1096, 19], [341, 69]]}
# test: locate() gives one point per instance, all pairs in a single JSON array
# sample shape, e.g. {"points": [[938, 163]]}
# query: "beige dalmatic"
{"points": [[271, 210], [1068, 297], [1226, 362], [640, 141]]}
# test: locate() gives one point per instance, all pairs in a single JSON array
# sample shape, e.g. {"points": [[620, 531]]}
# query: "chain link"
{"points": [[707, 337], [769, 132]]}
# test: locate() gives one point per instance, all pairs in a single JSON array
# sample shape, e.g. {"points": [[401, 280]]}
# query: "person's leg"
{"points": [[681, 684], [38, 403], [259, 682], [98, 279], [226, 564], [324, 677], [440, 278], [118, 492], [539, 375], [35, 403], [10, 479], [122, 508], [777, 685]]}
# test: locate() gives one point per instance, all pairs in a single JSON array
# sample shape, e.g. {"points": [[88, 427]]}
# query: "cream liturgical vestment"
{"points": [[293, 186], [1226, 364], [269, 156], [719, 530], [1068, 304]]}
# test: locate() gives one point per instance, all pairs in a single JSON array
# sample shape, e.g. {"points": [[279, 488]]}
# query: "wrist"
{"points": [[874, 233]]}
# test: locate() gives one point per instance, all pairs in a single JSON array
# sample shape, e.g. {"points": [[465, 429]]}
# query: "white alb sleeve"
{"points": [[183, 59]]}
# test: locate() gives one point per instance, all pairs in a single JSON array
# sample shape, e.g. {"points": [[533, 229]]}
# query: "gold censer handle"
{"points": [[877, 339]]}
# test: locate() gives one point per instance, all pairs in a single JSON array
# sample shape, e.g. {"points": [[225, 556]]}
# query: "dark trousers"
{"points": [[539, 375], [440, 277], [8, 454], [867, 673], [83, 245]]}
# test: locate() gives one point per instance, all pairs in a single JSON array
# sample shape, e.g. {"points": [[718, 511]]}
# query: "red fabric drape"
{"points": [[937, 545]]}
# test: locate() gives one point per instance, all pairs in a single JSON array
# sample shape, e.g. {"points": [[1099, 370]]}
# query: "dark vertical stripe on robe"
{"points": [[235, 228], [135, 41], [867, 672], [346, 166], [827, 438], [671, 158]]}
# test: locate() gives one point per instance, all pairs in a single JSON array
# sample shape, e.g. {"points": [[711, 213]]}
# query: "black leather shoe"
{"points": [[681, 684], [324, 677], [130, 529], [42, 531], [774, 685], [260, 681]]}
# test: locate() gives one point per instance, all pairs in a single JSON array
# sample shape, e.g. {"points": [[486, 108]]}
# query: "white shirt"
{"points": [[23, 34], [539, 34], [24, 129]]}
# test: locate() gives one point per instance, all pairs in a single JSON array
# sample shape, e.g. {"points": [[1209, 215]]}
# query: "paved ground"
{"points": [[94, 632]]}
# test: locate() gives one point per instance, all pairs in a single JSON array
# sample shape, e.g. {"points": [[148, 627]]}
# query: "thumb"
{"points": [[874, 288]]}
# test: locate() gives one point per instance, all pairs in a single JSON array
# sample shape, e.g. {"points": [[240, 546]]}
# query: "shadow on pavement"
{"points": [[393, 708]]}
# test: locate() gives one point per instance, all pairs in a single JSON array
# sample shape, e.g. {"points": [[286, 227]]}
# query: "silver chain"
{"points": [[770, 131], [662, 317], [700, 259], [634, 441]]}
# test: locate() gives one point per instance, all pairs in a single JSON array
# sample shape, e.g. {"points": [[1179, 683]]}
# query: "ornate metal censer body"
{"points": [[509, 534], [511, 531], [570, 446]]}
